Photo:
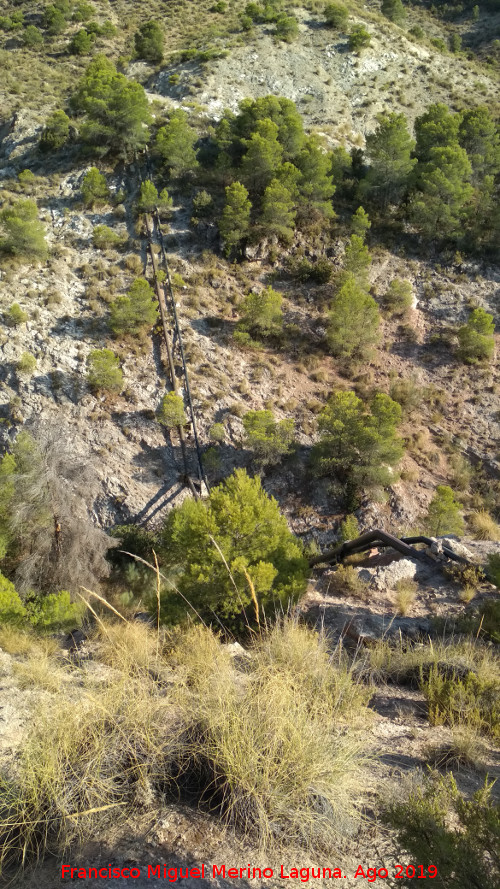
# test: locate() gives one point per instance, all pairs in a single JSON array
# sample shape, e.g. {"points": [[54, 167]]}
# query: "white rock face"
{"points": [[386, 577]]}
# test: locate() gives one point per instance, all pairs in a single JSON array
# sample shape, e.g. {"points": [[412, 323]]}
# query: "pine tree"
{"points": [[261, 313], [149, 40], [437, 128], [171, 412], [55, 132], [353, 322], [136, 313], [476, 340], [262, 158], [24, 234], [393, 10], [316, 187], [94, 189], [234, 225], [357, 259], [480, 137], [389, 151], [444, 194], [269, 439], [104, 373], [443, 516], [278, 214], [148, 197], [239, 526], [360, 223], [175, 143], [116, 110], [358, 444]]}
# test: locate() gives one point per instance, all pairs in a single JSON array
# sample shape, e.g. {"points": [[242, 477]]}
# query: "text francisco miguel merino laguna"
{"points": [[173, 874]]}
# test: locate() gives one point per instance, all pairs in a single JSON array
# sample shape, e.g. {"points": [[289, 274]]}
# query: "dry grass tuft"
{"points": [[483, 526], [465, 750], [405, 596], [276, 751]]}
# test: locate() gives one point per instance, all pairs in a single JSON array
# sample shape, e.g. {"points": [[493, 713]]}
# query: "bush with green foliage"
{"points": [[443, 195], [234, 224], [437, 825], [389, 149], [217, 432], [171, 412], [55, 132], [149, 41], [393, 10], [287, 28], [15, 315], [354, 321], [94, 189], [269, 439], [464, 700], [357, 260], [81, 43], [277, 218], [24, 234], [336, 16], [134, 314], [359, 444], [83, 11], [359, 38], [148, 197], [444, 513], [26, 365], [360, 223], [32, 37], [493, 568], [476, 340], [398, 298], [261, 313], [115, 110], [175, 144], [54, 21], [233, 548], [437, 127], [12, 610], [349, 529], [54, 611], [104, 238], [104, 372]]}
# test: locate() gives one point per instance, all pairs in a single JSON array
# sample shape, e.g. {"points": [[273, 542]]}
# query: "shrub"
{"points": [[393, 10], [217, 432], [443, 515], [24, 233], [149, 40], [359, 38], [469, 699], [358, 445], [349, 529], [254, 556], [354, 321], [406, 593], [493, 568], [26, 364], [287, 28], [15, 316], [345, 581], [336, 16], [267, 438], [12, 609], [171, 412], [83, 11], [32, 37], [261, 313], [104, 237], [483, 526], [175, 143], [53, 20], [398, 297], [55, 132], [94, 190], [476, 341], [81, 43], [435, 823], [104, 372], [148, 198], [234, 224], [136, 313], [54, 611]]}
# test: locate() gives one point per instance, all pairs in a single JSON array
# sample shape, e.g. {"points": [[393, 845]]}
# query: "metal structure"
{"points": [[378, 538], [172, 337]]}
